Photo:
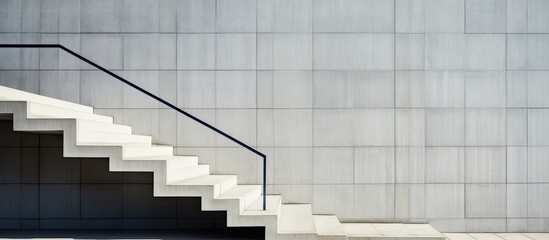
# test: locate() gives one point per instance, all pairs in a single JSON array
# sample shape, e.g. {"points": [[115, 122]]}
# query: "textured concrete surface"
{"points": [[429, 108]]}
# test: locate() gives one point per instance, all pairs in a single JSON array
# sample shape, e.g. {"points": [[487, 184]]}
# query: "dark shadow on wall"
{"points": [[42, 190]]}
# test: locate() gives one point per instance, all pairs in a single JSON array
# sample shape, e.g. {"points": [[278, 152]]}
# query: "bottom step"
{"points": [[393, 231], [328, 225]]}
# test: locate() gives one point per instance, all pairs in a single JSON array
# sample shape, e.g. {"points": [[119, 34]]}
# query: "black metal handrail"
{"points": [[158, 99]]}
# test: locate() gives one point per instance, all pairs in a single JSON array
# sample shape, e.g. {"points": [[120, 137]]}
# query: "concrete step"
{"points": [[179, 161], [85, 125], [187, 160], [146, 153], [296, 219], [247, 193], [91, 138], [392, 230], [43, 111], [274, 202], [10, 94], [223, 183], [328, 225], [183, 173], [423, 230]]}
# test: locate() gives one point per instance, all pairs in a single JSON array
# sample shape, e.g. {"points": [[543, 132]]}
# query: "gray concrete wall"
{"points": [[40, 189], [374, 110]]}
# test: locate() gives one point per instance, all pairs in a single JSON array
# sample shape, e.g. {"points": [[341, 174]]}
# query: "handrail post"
{"points": [[264, 182]]}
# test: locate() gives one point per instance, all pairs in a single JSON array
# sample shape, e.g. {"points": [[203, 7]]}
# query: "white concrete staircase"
{"points": [[86, 134]]}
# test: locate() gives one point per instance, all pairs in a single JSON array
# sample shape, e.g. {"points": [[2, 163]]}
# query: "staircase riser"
{"points": [[85, 139], [179, 174], [225, 186], [181, 163], [132, 153], [252, 197], [102, 127]]}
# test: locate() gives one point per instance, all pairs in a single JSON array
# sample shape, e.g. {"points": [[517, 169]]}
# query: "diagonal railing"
{"points": [[158, 99]]}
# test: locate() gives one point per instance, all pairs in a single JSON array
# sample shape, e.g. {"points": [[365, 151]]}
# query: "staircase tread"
{"points": [[238, 191], [117, 134], [182, 173], [152, 146], [423, 229], [163, 158], [103, 127], [329, 225], [146, 152], [256, 208], [296, 219], [107, 138], [46, 111], [18, 95], [179, 162], [204, 180], [390, 230], [195, 166]]}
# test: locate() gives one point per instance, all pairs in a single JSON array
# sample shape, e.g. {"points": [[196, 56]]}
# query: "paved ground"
{"points": [[497, 236]]}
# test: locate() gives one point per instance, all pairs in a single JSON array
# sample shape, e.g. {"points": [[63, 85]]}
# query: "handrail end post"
{"points": [[264, 182]]}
